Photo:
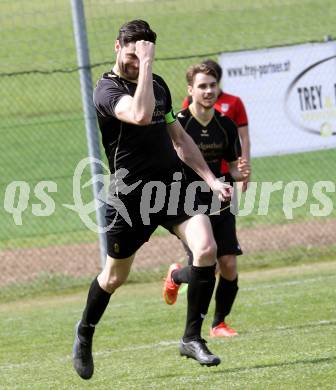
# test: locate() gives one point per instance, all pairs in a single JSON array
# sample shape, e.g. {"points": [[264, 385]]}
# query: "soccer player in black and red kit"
{"points": [[233, 107], [217, 137], [142, 137]]}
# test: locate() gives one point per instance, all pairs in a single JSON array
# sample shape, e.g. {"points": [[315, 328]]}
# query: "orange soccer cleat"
{"points": [[170, 288], [222, 330]]}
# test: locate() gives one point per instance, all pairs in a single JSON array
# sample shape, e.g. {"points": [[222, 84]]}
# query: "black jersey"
{"points": [[146, 151], [217, 140]]}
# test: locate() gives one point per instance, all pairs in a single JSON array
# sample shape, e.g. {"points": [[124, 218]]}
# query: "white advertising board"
{"points": [[289, 94]]}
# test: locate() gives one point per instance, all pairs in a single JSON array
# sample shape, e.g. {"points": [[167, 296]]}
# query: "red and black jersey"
{"points": [[217, 140], [227, 104], [146, 151]]}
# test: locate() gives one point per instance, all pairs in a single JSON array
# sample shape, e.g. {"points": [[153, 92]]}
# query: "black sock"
{"points": [[200, 289], [225, 295], [96, 304], [182, 275]]}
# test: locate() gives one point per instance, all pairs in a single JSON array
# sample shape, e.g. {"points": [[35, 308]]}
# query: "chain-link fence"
{"points": [[44, 244]]}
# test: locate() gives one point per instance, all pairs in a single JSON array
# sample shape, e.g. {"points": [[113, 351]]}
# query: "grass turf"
{"points": [[285, 318]]}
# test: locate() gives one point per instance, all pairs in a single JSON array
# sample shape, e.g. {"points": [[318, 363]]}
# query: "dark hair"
{"points": [[200, 68], [216, 66], [136, 30]]}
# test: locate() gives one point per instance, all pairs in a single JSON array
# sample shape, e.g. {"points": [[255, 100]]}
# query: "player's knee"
{"points": [[205, 254], [228, 266], [111, 283]]}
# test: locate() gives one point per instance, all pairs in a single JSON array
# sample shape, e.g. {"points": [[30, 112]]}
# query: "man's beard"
{"points": [[131, 74]]}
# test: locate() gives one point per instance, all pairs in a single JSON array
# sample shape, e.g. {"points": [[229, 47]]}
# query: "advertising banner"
{"points": [[289, 94]]}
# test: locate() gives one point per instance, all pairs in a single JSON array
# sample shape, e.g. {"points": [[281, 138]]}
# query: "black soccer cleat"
{"points": [[82, 351], [197, 350]]}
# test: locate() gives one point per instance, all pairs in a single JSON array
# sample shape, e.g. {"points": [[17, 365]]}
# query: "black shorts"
{"points": [[130, 225], [224, 230]]}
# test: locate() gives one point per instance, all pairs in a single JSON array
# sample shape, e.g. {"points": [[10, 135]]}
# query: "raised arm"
{"points": [[139, 108]]}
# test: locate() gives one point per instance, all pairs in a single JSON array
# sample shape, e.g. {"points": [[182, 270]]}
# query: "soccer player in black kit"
{"points": [[217, 137], [142, 137]]}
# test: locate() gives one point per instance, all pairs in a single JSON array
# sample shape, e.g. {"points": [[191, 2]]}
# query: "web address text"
{"points": [[258, 70]]}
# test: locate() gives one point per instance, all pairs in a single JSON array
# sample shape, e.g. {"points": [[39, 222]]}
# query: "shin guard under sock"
{"points": [[96, 304], [225, 296]]}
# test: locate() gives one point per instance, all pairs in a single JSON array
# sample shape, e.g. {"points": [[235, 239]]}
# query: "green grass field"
{"points": [[285, 317]]}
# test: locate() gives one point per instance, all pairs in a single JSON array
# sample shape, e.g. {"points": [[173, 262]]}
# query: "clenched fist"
{"points": [[145, 51], [223, 190]]}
